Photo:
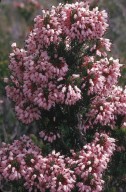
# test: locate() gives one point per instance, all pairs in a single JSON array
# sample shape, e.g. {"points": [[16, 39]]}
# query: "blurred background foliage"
{"points": [[16, 20]]}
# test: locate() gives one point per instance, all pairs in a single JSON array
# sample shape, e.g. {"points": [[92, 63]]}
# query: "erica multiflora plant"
{"points": [[65, 81]]}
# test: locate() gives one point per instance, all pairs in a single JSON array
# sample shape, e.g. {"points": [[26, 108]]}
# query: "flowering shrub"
{"points": [[64, 80], [22, 160], [64, 61]]}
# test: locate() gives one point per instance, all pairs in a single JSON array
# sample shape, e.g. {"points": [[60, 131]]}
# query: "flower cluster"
{"points": [[103, 75], [92, 160], [50, 137], [22, 160], [81, 23], [105, 109]]}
